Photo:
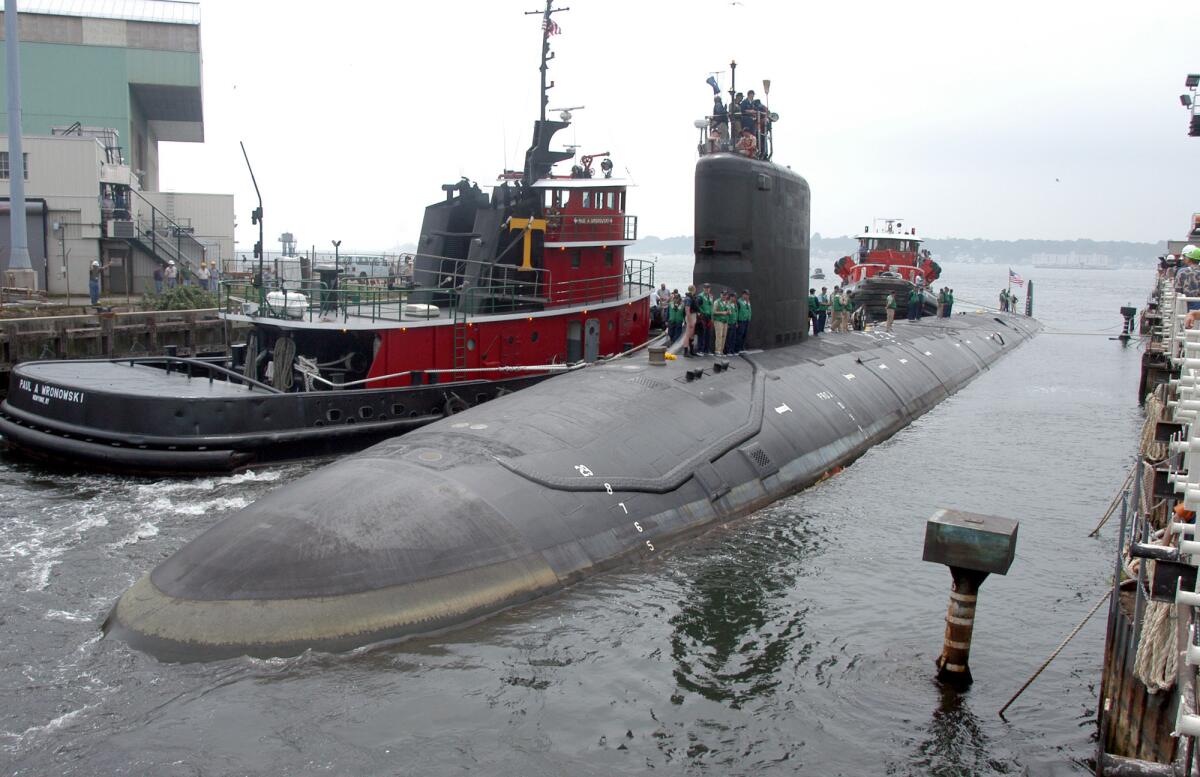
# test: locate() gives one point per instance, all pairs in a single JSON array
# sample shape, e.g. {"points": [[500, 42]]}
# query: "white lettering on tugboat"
{"points": [[44, 392]]}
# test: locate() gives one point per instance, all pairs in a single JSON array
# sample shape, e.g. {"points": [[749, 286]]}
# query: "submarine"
{"points": [[525, 495]]}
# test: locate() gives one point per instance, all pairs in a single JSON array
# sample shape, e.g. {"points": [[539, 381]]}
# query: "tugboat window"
{"points": [[608, 257], [471, 345], [587, 200], [533, 337], [575, 259], [611, 199]]}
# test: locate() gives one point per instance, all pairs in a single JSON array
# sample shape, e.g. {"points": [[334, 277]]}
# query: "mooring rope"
{"points": [[1112, 506], [1057, 650], [284, 355], [1155, 662]]}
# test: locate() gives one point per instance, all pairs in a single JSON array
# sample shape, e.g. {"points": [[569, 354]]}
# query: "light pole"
{"points": [[20, 270], [336, 268]]}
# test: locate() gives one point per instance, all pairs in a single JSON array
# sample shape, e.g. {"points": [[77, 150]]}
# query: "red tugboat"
{"points": [[506, 290], [890, 261]]}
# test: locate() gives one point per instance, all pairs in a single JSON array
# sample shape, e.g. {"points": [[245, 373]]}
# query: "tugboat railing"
{"points": [[314, 300], [206, 364]]}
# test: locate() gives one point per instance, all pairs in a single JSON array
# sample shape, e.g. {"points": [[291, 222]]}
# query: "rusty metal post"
{"points": [[973, 546], [952, 664]]}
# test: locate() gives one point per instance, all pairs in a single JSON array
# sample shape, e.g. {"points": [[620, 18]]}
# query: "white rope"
{"points": [[308, 368], [1155, 662]]}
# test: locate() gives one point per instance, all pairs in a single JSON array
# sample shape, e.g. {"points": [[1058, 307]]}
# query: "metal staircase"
{"points": [[159, 236]]}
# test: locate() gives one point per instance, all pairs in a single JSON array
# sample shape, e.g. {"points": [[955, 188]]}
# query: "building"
{"points": [[102, 83], [1073, 261]]}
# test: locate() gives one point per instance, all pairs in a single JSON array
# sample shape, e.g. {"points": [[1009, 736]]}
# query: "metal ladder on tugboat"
{"points": [[460, 337]]}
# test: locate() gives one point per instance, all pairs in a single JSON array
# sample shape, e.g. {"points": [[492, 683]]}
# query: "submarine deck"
{"points": [[511, 500]]}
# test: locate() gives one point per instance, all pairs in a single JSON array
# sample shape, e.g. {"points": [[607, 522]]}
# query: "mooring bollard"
{"points": [[973, 546]]}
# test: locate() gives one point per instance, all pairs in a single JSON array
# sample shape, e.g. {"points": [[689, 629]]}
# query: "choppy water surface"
{"points": [[799, 640]]}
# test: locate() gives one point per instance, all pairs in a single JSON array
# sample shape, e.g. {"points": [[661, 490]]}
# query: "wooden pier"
{"points": [[113, 335]]}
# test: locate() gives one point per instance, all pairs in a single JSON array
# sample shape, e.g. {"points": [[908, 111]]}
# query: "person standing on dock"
{"points": [[1187, 279], [890, 306], [836, 302], [949, 301], [813, 305], [822, 307], [158, 280], [202, 275], [170, 274], [94, 274]]}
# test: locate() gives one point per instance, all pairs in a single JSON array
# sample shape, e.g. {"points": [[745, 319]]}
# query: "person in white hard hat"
{"points": [[170, 274], [95, 272]]}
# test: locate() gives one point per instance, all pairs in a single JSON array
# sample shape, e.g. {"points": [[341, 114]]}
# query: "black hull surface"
{"points": [[514, 499], [872, 295], [137, 419]]}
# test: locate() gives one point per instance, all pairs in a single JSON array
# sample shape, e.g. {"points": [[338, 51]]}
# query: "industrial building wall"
{"points": [[65, 173], [69, 253], [76, 69], [210, 215]]}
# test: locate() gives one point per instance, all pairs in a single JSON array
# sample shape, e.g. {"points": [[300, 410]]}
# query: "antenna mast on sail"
{"points": [[549, 27]]}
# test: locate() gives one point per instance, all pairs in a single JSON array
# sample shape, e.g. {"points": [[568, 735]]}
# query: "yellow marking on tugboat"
{"points": [[528, 225]]}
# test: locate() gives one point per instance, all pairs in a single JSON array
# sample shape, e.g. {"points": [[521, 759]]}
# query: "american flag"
{"points": [[1015, 279], [550, 27]]}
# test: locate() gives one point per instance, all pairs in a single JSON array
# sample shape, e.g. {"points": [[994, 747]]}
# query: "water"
{"points": [[799, 640]]}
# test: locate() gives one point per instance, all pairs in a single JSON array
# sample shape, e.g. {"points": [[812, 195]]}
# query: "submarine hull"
{"points": [[520, 497]]}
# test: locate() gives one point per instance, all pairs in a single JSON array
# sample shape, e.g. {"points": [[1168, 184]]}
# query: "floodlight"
{"points": [[1185, 100], [1193, 80]]}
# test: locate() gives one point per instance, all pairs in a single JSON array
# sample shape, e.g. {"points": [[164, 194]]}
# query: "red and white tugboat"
{"points": [[506, 290], [890, 260]]}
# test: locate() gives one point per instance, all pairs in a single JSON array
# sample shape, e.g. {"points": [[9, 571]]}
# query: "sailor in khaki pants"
{"points": [[891, 310]]}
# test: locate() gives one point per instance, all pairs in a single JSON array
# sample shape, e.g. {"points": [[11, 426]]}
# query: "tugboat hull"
{"points": [[134, 418], [871, 294]]}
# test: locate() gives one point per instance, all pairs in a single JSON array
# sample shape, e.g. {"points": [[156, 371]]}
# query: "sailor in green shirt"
{"points": [[890, 305], [813, 308], [675, 317], [949, 302], [721, 314], [705, 321], [914, 304], [743, 322]]}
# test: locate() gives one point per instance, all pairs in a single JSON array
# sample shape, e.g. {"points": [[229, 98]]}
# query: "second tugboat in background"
{"points": [[506, 290], [889, 261]]}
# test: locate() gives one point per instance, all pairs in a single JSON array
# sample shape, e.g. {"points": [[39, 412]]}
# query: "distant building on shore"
{"points": [[1073, 261]]}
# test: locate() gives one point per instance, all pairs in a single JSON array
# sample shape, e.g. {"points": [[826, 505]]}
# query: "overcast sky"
{"points": [[1048, 119]]}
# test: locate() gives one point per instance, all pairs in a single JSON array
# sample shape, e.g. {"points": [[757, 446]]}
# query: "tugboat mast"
{"points": [[549, 27]]}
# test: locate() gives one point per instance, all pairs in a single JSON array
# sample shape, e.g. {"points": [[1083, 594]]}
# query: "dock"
{"points": [[1148, 715], [113, 334]]}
